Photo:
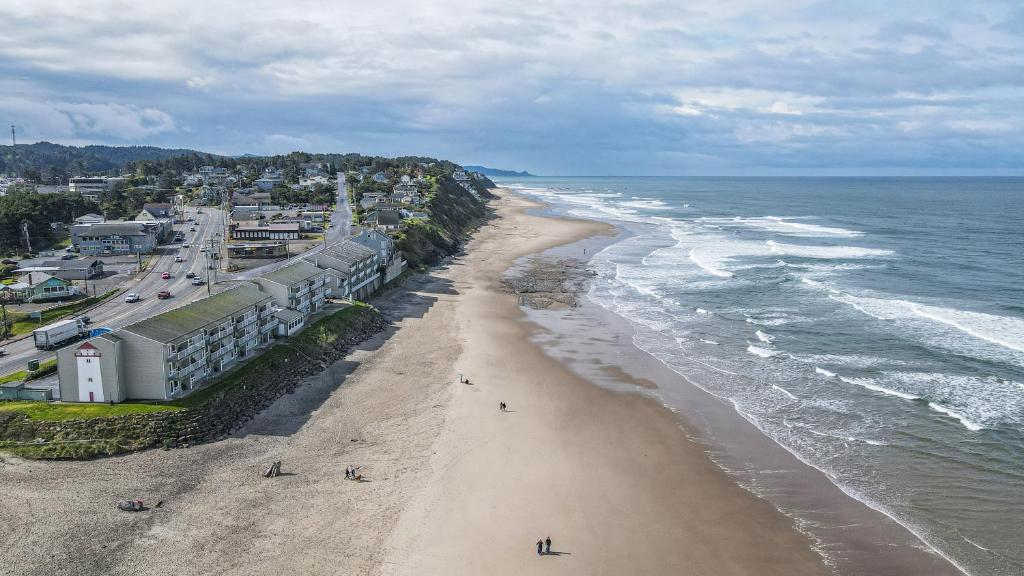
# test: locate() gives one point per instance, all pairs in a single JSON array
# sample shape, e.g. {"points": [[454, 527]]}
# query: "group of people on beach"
{"points": [[503, 407], [350, 473], [541, 544]]}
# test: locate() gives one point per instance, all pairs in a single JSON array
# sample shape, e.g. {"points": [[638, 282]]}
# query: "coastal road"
{"points": [[115, 313]]}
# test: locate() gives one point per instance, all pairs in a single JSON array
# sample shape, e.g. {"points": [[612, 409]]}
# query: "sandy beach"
{"points": [[455, 486]]}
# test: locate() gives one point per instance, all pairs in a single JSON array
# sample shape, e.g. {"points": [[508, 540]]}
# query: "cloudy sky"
{"points": [[555, 87]]}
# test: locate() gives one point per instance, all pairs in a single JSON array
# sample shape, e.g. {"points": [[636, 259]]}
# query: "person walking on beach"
{"points": [[540, 547], [547, 542]]}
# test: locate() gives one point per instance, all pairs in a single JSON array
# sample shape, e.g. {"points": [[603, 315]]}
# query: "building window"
{"points": [[90, 379], [88, 360]]}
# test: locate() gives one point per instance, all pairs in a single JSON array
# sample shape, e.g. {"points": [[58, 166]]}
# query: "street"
{"points": [[115, 313]]}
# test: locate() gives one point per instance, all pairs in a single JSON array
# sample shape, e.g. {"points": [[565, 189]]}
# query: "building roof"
{"points": [[112, 228], [90, 216], [286, 315], [384, 217], [292, 273], [349, 251], [77, 264], [150, 206], [272, 227], [172, 325]]}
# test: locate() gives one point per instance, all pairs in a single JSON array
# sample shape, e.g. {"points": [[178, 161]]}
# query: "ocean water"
{"points": [[873, 327]]}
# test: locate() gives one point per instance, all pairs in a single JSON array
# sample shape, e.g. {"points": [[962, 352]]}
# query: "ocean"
{"points": [[871, 327]]}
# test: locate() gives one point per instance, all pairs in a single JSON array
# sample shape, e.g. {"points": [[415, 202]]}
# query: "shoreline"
{"points": [[613, 478], [851, 534]]}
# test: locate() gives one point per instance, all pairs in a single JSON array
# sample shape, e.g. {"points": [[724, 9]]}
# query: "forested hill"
{"points": [[54, 162]]}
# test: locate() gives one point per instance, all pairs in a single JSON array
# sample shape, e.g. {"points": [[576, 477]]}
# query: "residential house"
{"points": [[385, 220], [299, 286], [90, 218], [155, 211], [38, 286], [380, 177], [171, 354]]}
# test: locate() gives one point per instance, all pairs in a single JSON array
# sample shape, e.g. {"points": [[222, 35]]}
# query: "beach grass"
{"points": [[60, 411]]}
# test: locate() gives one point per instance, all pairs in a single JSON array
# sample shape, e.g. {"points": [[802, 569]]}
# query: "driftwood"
{"points": [[274, 471]]}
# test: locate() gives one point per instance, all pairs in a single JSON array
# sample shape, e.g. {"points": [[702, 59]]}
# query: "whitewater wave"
{"points": [[784, 391], [785, 225], [708, 267], [871, 385], [1003, 331], [963, 420], [826, 252], [764, 337], [824, 372], [760, 351]]}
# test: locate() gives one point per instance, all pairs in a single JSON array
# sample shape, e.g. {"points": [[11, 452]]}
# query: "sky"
{"points": [[637, 87]]}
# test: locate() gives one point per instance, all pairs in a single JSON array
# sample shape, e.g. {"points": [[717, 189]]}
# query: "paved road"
{"points": [[116, 313]]}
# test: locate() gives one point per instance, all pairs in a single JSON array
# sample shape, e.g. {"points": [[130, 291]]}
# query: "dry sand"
{"points": [[456, 487]]}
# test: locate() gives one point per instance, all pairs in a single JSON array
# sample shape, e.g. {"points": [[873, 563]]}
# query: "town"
{"points": [[146, 283]]}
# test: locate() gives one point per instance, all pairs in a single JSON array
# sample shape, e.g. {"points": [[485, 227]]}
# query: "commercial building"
{"points": [[298, 286], [91, 187], [266, 231], [78, 269], [171, 354], [117, 237], [253, 250]]}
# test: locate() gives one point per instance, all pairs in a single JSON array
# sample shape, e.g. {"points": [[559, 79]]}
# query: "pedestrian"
{"points": [[547, 542], [348, 471], [540, 547]]}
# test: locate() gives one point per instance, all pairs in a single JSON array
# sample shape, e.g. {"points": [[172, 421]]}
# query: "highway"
{"points": [[116, 313]]}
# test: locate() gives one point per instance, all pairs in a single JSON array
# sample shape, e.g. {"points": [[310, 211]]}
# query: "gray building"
{"points": [[78, 269], [353, 270], [171, 354], [299, 286], [116, 237]]}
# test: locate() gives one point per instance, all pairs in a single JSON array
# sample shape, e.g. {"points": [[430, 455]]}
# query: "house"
{"points": [[460, 176], [383, 219], [380, 177], [246, 215], [171, 354], [371, 199], [299, 286], [266, 231], [78, 269], [116, 237], [155, 211], [310, 181], [261, 250], [90, 218], [253, 198], [353, 270], [39, 287]]}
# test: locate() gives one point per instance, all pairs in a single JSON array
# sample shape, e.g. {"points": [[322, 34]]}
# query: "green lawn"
{"points": [[59, 411], [22, 324], [45, 367]]}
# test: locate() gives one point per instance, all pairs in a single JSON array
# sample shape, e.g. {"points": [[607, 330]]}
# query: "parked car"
{"points": [[163, 294], [8, 261], [179, 259], [197, 281], [166, 275], [68, 257], [190, 275], [185, 245], [131, 298], [192, 229]]}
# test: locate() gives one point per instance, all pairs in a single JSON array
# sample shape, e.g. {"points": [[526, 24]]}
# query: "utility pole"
{"points": [[14, 152]]}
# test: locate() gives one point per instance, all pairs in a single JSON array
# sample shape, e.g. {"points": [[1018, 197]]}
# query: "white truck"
{"points": [[52, 336]]}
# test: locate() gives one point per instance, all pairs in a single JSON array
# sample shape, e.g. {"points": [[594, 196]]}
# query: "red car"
{"points": [[164, 294], [166, 275]]}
